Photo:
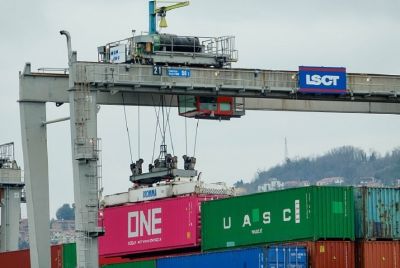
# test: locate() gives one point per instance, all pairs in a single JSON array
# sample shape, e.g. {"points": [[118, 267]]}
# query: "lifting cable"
{"points": [[138, 119], [186, 139], [157, 126], [195, 138], [127, 128], [165, 123], [169, 127]]}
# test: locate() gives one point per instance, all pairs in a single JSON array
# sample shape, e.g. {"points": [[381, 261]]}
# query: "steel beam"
{"points": [[34, 145], [85, 156], [262, 90]]}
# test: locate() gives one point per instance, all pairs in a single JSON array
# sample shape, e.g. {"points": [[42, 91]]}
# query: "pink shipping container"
{"points": [[153, 226]]}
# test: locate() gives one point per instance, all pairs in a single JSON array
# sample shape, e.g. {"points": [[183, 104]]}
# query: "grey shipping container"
{"points": [[377, 213]]}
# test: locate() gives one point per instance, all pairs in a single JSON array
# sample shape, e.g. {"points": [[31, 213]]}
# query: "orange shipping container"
{"points": [[329, 254], [382, 254]]}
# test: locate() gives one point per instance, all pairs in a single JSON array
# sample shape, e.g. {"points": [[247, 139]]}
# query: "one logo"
{"points": [[322, 80], [144, 223]]}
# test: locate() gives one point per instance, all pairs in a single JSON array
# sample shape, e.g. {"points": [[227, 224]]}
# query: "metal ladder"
{"points": [[87, 150]]}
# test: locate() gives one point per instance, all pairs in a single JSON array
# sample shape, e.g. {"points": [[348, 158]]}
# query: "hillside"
{"points": [[351, 163]]}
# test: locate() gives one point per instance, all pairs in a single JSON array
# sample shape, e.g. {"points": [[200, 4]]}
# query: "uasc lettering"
{"points": [[288, 215]]}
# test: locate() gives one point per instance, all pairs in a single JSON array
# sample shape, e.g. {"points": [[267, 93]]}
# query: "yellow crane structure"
{"points": [[155, 11]]}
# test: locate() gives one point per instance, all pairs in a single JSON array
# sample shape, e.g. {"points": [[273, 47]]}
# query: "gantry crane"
{"points": [[136, 73]]}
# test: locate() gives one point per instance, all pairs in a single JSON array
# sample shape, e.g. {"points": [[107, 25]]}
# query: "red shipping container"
{"points": [[17, 259], [382, 254], [167, 224], [21, 258], [329, 254]]}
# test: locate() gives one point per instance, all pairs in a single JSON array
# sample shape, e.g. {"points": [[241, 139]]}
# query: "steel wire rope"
{"points": [[163, 121], [186, 139], [127, 127], [169, 126], [195, 138], [157, 126], [138, 127]]}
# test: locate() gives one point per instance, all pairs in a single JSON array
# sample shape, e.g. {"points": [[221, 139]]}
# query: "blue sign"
{"points": [[150, 193], [179, 72], [322, 80]]}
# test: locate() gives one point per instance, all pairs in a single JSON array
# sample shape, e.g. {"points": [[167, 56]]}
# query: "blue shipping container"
{"points": [[287, 257], [377, 213], [243, 258]]}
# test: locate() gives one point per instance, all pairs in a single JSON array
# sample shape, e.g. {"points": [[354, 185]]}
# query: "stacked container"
{"points": [[329, 254], [377, 214], [308, 213], [21, 258], [152, 227], [321, 217], [273, 257]]}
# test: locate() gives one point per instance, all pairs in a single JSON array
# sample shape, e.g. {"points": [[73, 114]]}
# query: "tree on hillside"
{"points": [[66, 212], [351, 163]]}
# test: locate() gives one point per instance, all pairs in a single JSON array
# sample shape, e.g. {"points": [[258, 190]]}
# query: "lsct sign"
{"points": [[322, 80]]}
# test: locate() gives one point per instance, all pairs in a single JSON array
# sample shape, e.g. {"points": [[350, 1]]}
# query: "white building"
{"points": [[272, 185]]}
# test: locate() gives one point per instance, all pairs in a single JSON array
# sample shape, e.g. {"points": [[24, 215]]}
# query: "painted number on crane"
{"points": [[179, 72], [157, 70]]}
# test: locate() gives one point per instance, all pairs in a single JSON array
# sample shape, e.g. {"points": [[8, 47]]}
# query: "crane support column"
{"points": [[34, 145], [10, 216], [152, 17], [85, 148]]}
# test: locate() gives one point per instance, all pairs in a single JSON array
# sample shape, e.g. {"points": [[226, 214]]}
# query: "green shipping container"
{"points": [[308, 213], [69, 255], [139, 264]]}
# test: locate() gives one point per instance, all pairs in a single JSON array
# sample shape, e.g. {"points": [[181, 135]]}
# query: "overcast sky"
{"points": [[362, 36]]}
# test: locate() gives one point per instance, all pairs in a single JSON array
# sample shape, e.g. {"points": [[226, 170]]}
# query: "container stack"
{"points": [[307, 227], [377, 221], [320, 218]]}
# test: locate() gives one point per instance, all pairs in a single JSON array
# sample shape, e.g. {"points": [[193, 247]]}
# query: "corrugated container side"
{"points": [[254, 258], [139, 264], [21, 258], [334, 212], [17, 259], [112, 260], [377, 213], [378, 254], [287, 256], [56, 256], [329, 254], [69, 255], [155, 226], [307, 213]]}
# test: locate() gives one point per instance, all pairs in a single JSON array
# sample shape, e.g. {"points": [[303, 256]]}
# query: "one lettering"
{"points": [[142, 223]]}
